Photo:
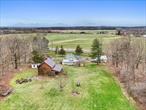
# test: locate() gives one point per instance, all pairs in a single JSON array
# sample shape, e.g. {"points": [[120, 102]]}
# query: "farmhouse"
{"points": [[71, 59], [49, 68]]}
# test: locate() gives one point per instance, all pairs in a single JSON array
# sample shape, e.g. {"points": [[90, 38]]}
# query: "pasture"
{"points": [[98, 91], [70, 41]]}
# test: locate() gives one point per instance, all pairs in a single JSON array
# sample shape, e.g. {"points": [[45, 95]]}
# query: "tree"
{"points": [[78, 50], [96, 50], [37, 58], [56, 50], [40, 44], [14, 47], [118, 32], [62, 51], [128, 56]]}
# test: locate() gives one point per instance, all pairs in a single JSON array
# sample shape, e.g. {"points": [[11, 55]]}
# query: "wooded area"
{"points": [[17, 50], [128, 56]]}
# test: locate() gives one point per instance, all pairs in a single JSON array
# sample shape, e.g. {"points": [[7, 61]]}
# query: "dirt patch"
{"points": [[75, 93], [5, 90], [6, 78], [5, 81]]}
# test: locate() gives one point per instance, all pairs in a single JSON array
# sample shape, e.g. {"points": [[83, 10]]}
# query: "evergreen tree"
{"points": [[96, 50], [78, 50], [56, 50], [62, 51], [118, 32], [37, 58]]}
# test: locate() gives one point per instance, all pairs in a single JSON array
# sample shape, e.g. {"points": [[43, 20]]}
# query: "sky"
{"points": [[35, 13]]}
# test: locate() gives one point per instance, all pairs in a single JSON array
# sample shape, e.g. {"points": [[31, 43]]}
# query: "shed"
{"points": [[34, 66], [49, 67]]}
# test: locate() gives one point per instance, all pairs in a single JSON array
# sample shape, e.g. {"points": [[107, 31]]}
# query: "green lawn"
{"points": [[98, 91], [84, 40]]}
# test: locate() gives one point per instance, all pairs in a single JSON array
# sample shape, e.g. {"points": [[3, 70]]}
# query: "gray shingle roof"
{"points": [[57, 68], [50, 62]]}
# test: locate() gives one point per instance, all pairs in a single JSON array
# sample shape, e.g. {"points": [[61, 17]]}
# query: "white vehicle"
{"points": [[103, 59]]}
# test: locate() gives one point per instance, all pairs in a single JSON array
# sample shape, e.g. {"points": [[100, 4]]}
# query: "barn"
{"points": [[49, 68]]}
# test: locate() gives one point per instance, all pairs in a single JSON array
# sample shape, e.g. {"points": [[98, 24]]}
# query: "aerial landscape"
{"points": [[72, 55]]}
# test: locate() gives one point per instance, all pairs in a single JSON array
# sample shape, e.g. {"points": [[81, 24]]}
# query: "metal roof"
{"points": [[57, 68], [50, 62]]}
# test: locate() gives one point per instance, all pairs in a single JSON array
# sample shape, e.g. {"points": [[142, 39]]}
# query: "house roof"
{"points": [[50, 62], [53, 65], [57, 68]]}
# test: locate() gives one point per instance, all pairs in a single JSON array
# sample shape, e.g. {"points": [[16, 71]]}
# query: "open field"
{"points": [[71, 40], [84, 40], [98, 91]]}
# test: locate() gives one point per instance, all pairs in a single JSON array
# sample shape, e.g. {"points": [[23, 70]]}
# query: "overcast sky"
{"points": [[72, 12]]}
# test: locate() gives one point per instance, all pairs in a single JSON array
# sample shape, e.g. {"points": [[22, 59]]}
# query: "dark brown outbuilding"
{"points": [[49, 67]]}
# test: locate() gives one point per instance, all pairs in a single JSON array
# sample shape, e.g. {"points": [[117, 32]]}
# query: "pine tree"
{"points": [[62, 51], [37, 58], [78, 50], [96, 50], [56, 50]]}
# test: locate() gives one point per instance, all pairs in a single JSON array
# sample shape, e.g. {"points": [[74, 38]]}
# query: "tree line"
{"points": [[128, 56]]}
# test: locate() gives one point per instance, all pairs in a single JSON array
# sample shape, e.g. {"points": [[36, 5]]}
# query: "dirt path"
{"points": [[68, 40], [5, 79]]}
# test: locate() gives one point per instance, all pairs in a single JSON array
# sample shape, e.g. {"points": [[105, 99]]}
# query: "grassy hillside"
{"points": [[98, 91]]}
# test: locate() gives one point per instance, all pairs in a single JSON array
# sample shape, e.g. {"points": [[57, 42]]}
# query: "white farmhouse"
{"points": [[71, 59]]}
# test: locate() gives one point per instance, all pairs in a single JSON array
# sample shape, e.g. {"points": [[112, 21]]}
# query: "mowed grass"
{"points": [[98, 91], [84, 40]]}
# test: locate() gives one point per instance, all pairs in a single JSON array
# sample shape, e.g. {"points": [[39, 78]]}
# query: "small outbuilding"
{"points": [[34, 66], [49, 68]]}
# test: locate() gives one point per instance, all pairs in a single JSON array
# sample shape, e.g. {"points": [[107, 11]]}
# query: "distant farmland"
{"points": [[70, 41]]}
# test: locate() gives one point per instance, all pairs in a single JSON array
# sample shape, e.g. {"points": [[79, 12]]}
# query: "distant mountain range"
{"points": [[74, 28]]}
